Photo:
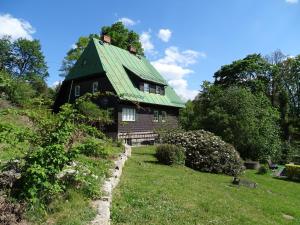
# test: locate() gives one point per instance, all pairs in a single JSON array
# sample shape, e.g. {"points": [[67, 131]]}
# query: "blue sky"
{"points": [[187, 41]]}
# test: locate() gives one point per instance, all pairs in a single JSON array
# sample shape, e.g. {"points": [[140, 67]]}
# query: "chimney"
{"points": [[105, 38], [132, 49]]}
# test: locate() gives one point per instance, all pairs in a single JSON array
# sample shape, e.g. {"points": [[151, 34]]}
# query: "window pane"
{"points": [[77, 90], [95, 87], [155, 116], [163, 116], [146, 87], [128, 114], [158, 88]]}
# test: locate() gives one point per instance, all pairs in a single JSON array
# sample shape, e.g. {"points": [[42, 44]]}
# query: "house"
{"points": [[143, 102]]}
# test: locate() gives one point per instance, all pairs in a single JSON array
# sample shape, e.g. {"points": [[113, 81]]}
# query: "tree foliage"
{"points": [[277, 76], [22, 57], [246, 120], [23, 66], [253, 71], [120, 37]]}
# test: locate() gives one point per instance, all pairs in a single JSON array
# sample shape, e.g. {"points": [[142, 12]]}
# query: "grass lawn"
{"points": [[150, 193]]}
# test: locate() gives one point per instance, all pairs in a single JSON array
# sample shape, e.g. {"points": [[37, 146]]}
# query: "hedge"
{"points": [[293, 171]]}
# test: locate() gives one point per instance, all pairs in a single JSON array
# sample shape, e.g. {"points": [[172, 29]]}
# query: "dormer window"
{"points": [[158, 89], [95, 87], [146, 87]]}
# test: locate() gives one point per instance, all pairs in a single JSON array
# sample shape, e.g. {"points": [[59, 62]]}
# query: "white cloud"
{"points": [[181, 88], [127, 21], [171, 71], [145, 39], [55, 83], [292, 1], [164, 34], [74, 46], [174, 66], [14, 27]]}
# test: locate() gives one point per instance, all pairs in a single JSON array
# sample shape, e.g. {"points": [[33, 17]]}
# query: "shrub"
{"points": [[262, 170], [91, 113], [207, 152], [170, 154], [93, 147], [246, 120], [293, 171]]}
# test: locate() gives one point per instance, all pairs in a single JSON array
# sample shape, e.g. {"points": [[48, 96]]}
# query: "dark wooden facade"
{"points": [[143, 128]]}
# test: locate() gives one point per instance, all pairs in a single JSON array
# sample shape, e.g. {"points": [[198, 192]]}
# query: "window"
{"points": [[158, 89], [163, 116], [146, 87], [95, 87], [77, 90], [84, 62], [128, 114], [155, 116]]}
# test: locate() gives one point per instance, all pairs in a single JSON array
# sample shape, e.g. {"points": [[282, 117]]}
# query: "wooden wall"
{"points": [[144, 112], [144, 118]]}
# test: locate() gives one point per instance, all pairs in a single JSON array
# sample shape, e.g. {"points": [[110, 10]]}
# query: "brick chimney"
{"points": [[132, 49], [105, 38]]}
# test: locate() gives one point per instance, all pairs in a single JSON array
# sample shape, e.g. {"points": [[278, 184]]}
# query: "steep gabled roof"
{"points": [[99, 57]]}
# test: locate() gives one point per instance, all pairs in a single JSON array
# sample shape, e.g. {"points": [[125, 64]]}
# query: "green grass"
{"points": [[71, 209], [150, 193]]}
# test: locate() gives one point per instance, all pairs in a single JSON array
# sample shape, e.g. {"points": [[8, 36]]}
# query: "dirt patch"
{"points": [[11, 213]]}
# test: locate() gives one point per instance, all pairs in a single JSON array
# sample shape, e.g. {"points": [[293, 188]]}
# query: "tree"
{"points": [[28, 59], [290, 81], [246, 120], [16, 89], [120, 37], [253, 71], [5, 52], [187, 118], [275, 59]]}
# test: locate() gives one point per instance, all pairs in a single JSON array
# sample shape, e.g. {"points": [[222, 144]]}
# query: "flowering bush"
{"points": [[207, 152]]}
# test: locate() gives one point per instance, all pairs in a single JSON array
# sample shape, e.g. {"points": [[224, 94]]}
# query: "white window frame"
{"points": [[155, 116], [128, 114], [95, 87], [146, 87], [163, 116], [77, 90]]}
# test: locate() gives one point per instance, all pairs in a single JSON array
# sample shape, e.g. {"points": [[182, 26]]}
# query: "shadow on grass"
{"points": [[143, 153], [286, 179], [153, 162]]}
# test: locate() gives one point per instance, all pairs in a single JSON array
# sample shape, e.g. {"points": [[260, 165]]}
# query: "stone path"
{"points": [[103, 205]]}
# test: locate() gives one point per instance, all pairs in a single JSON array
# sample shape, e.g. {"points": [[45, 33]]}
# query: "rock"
{"points": [[288, 217], [103, 205]]}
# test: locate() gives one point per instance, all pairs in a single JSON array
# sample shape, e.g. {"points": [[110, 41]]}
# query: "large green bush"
{"points": [[170, 154], [207, 152]]}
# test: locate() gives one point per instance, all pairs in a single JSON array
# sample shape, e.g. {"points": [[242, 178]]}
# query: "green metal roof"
{"points": [[99, 57]]}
